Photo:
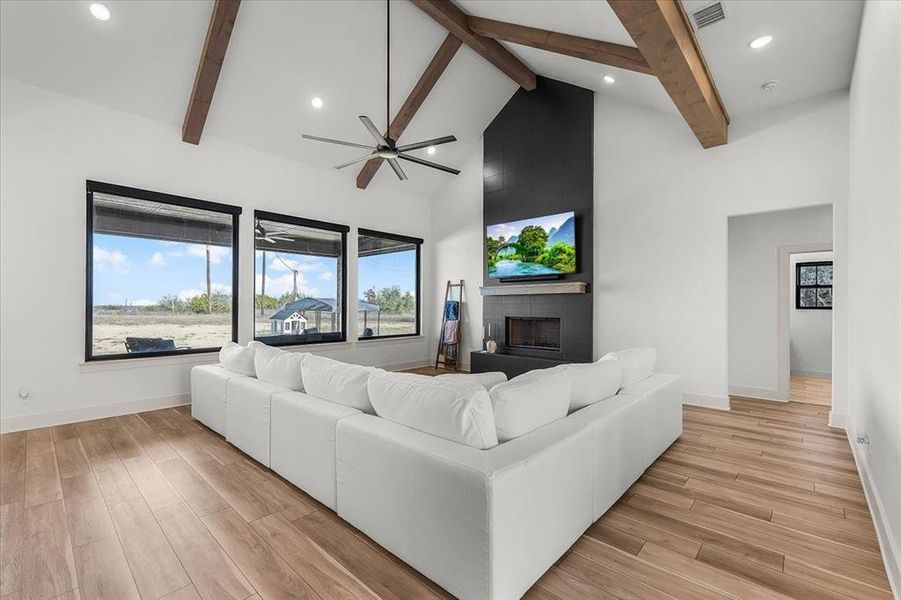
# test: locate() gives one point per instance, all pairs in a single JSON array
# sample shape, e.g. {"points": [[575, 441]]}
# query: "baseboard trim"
{"points": [[838, 420], [813, 374], [706, 400], [891, 555], [88, 413], [756, 392]]}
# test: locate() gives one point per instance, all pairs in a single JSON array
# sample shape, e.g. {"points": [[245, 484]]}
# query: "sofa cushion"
{"points": [[239, 359], [487, 380], [637, 363], [455, 410], [247, 416], [279, 367], [592, 382], [337, 382], [529, 401]]}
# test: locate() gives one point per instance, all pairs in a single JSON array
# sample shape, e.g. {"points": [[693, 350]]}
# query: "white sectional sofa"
{"points": [[482, 523]]}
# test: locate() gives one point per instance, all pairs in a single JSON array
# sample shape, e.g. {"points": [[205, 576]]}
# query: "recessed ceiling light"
{"points": [[759, 42], [609, 79], [99, 11], [431, 150], [316, 102], [770, 85]]}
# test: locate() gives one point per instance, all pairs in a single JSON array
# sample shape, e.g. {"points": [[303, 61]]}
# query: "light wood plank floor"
{"points": [[762, 502], [811, 390]]}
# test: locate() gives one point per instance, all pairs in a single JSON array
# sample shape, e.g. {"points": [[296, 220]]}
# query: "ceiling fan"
{"points": [[385, 147], [272, 237]]}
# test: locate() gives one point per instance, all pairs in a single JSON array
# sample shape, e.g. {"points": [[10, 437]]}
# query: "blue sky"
{"points": [[513, 228], [140, 271]]}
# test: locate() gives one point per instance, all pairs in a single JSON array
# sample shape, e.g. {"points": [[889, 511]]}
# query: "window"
{"points": [[300, 271], [388, 282], [813, 285], [161, 273]]}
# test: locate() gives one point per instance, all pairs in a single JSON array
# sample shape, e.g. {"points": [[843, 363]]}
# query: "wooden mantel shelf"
{"points": [[530, 289]]}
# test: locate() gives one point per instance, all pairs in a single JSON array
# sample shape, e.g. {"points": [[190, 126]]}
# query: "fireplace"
{"points": [[538, 333]]}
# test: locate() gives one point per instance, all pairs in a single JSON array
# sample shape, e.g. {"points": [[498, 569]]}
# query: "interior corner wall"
{"points": [[870, 230], [810, 330], [661, 209], [457, 228], [757, 298], [50, 145]]}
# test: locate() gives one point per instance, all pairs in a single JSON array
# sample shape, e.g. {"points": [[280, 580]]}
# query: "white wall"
{"points": [[810, 330], [458, 231], [870, 247], [661, 208], [758, 287], [50, 144]]}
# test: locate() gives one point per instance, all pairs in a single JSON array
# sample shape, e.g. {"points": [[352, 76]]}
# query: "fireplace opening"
{"points": [[541, 333]]}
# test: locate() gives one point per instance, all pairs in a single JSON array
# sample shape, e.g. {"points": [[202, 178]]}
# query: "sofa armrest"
{"points": [[481, 523]]}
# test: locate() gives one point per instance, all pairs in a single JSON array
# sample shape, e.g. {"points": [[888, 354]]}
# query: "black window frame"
{"points": [[92, 187], [418, 242], [816, 287], [314, 224]]}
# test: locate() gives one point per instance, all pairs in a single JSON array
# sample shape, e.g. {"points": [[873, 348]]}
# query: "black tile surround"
{"points": [[538, 160]]}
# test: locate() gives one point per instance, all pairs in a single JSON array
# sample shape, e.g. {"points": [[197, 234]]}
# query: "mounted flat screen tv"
{"points": [[541, 246]]}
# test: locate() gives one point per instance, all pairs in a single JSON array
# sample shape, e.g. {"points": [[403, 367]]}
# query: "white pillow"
{"points": [[239, 359], [637, 363], [279, 367], [338, 382], [592, 382], [487, 380], [448, 408], [529, 401]]}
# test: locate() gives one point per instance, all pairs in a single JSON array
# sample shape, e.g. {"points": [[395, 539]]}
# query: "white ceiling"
{"points": [[143, 61]]}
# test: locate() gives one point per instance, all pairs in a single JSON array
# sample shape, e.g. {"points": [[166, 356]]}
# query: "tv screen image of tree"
{"points": [[537, 246]]}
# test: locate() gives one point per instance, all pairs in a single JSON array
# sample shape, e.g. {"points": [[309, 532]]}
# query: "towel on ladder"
{"points": [[451, 332], [452, 310]]}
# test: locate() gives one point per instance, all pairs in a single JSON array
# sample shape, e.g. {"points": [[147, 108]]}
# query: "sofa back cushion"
{"points": [[487, 380], [529, 401], [451, 409], [279, 367], [592, 382], [637, 363], [239, 359], [336, 381]]}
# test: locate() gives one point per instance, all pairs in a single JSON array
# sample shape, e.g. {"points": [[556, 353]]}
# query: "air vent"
{"points": [[709, 15]]}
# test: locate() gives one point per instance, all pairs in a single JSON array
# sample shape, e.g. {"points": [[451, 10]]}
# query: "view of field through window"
{"points": [[387, 273], [160, 275]]}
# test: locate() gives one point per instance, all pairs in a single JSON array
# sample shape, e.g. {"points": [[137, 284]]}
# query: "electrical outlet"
{"points": [[863, 438]]}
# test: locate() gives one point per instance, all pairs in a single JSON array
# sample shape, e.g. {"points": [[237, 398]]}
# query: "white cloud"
{"points": [[326, 275], [276, 286], [217, 253], [110, 260], [157, 260], [143, 302], [298, 265]]}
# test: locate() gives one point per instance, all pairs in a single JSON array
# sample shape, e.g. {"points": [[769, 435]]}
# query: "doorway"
{"points": [[810, 327]]}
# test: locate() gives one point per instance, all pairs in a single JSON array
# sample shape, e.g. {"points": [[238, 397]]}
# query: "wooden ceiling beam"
{"points": [[452, 18], [663, 33], [414, 101], [222, 21], [605, 53]]}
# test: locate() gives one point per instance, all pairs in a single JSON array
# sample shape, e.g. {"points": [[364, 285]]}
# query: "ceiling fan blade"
{"points": [[331, 141], [435, 142], [426, 163], [373, 131], [397, 170], [356, 160]]}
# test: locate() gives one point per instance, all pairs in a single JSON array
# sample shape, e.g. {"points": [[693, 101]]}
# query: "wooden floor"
{"points": [[762, 502], [811, 390]]}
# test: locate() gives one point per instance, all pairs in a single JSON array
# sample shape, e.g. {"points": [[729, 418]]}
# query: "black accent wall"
{"points": [[538, 160]]}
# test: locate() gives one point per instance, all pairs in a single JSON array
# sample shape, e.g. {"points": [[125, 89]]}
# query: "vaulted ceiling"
{"points": [[144, 59]]}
